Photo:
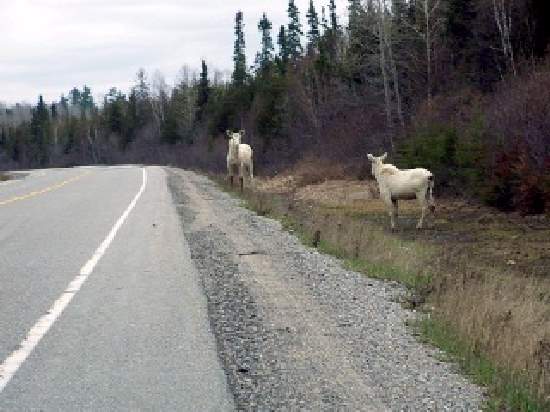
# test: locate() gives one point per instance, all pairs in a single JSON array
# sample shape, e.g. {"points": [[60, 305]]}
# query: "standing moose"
{"points": [[239, 158], [395, 184]]}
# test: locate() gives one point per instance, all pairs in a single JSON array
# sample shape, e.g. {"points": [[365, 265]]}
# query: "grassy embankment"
{"points": [[481, 275]]}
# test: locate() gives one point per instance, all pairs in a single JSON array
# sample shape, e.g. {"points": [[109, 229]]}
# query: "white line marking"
{"points": [[10, 366]]}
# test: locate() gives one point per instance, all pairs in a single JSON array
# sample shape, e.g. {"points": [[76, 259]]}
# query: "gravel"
{"points": [[295, 329]]}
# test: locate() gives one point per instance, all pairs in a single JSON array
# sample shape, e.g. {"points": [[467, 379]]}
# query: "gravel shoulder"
{"points": [[295, 329]]}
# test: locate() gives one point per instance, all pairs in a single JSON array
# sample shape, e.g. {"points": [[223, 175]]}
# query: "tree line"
{"points": [[459, 86]]}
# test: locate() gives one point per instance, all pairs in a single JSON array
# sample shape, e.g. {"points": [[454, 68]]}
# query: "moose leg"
{"points": [[391, 211], [421, 221], [241, 176], [424, 206], [395, 213]]}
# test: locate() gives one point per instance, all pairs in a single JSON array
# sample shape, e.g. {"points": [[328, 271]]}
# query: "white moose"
{"points": [[239, 158], [395, 184]]}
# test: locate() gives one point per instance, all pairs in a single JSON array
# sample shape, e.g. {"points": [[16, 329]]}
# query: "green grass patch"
{"points": [[388, 272], [290, 225], [507, 391], [375, 270]]}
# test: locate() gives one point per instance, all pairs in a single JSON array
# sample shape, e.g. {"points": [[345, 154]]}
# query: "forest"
{"points": [[461, 87]]}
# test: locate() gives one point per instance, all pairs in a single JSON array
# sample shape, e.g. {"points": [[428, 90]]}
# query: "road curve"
{"points": [[136, 335]]}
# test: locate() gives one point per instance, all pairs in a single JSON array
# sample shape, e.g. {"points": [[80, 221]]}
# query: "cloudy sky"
{"points": [[50, 46]]}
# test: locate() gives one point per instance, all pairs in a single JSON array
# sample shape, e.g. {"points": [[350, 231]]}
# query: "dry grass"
{"points": [[485, 273]]}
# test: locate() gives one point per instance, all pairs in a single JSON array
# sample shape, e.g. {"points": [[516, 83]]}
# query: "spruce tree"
{"points": [[400, 11], [355, 28], [53, 111], [459, 30], [239, 57], [86, 98], [324, 21], [282, 41], [354, 9], [170, 130], [64, 106], [132, 120], [333, 16], [266, 55], [294, 31], [113, 109], [86, 102], [75, 97], [313, 34], [40, 131], [140, 99], [203, 92]]}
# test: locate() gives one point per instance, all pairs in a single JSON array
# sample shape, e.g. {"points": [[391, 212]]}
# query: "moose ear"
{"points": [[370, 157], [383, 157]]}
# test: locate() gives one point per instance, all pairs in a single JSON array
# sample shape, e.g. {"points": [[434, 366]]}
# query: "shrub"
{"points": [[516, 183], [454, 156]]}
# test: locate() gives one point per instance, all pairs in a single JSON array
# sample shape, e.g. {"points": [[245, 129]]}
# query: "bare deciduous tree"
{"points": [[503, 17], [160, 93], [432, 23], [383, 65]]}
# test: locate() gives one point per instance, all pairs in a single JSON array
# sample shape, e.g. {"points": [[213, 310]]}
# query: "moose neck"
{"points": [[234, 147], [376, 170]]}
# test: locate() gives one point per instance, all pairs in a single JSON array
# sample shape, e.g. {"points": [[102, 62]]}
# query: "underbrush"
{"points": [[481, 276]]}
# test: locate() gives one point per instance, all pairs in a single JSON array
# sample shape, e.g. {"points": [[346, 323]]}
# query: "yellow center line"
{"points": [[42, 191]]}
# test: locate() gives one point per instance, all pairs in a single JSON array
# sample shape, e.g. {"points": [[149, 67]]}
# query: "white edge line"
{"points": [[13, 362]]}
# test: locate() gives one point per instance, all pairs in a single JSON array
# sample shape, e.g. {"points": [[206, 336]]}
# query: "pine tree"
{"points": [[265, 57], [203, 92], [239, 57], [294, 31], [313, 34]]}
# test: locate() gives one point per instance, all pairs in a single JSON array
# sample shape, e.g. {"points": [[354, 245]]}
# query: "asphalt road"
{"points": [[136, 335]]}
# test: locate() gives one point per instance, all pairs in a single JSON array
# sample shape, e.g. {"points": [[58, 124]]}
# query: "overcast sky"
{"points": [[50, 46]]}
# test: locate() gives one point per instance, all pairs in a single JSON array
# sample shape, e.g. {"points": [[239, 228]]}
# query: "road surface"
{"points": [[101, 307]]}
